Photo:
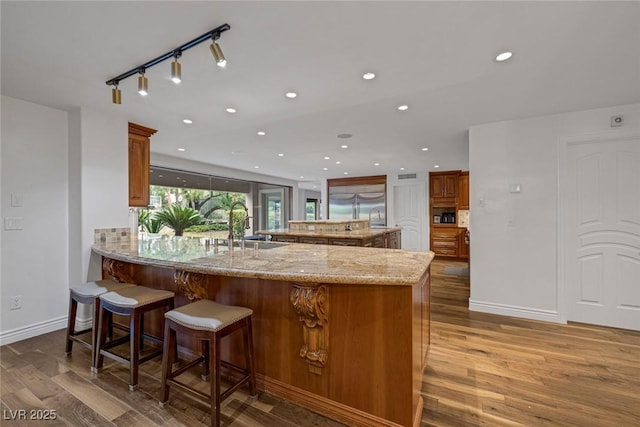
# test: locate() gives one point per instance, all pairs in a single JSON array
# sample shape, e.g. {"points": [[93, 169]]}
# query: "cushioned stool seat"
{"points": [[132, 302], [207, 321], [88, 293]]}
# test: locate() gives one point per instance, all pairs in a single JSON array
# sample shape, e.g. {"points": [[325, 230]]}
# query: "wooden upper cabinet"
{"points": [[463, 190], [139, 155], [443, 188]]}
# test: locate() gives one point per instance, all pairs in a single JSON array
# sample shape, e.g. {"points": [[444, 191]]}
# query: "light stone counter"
{"points": [[306, 263]]}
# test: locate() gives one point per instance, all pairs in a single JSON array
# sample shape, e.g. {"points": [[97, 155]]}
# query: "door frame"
{"points": [[262, 195], [563, 152]]}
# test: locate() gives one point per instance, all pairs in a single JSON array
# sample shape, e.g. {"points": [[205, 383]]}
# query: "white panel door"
{"points": [[408, 213], [601, 222]]}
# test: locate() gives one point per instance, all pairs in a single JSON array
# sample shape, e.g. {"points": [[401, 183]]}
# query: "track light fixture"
{"points": [[116, 96], [217, 52], [142, 83], [176, 68]]}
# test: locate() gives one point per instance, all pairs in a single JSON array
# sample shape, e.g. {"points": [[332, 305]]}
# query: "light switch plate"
{"points": [[16, 200], [13, 223]]}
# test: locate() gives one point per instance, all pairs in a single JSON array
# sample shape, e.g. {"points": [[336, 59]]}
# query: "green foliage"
{"points": [[179, 218], [207, 227], [239, 222], [153, 225]]}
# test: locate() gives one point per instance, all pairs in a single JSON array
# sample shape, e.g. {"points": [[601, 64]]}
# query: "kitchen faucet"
{"points": [[246, 224], [379, 214]]}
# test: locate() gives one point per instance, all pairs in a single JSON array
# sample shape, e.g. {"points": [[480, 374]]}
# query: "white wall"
{"points": [[71, 171], [34, 260], [514, 255]]}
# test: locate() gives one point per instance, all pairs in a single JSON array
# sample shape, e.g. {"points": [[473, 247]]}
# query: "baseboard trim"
{"points": [[515, 311], [35, 329], [332, 409]]}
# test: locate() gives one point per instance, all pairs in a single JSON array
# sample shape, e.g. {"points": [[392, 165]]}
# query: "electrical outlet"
{"points": [[16, 302]]}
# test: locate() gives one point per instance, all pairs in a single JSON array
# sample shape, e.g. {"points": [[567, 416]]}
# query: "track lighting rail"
{"points": [[175, 53]]}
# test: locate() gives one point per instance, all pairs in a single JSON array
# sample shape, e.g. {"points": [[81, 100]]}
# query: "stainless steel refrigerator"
{"points": [[358, 202]]}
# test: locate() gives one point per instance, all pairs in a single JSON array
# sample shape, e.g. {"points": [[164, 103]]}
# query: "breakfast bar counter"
{"points": [[341, 330]]}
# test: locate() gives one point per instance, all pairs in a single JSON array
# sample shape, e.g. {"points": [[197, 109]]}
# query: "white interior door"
{"points": [[409, 213], [601, 222]]}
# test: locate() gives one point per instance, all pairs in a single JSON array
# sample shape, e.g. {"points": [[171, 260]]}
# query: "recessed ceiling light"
{"points": [[280, 154], [327, 157], [368, 76], [436, 166], [346, 173], [180, 149], [325, 169], [501, 57], [261, 133], [187, 121], [403, 107], [345, 135], [401, 169], [338, 162], [376, 164], [231, 110], [256, 167], [177, 177], [291, 95], [425, 149], [161, 176], [301, 177], [150, 170], [344, 146]]}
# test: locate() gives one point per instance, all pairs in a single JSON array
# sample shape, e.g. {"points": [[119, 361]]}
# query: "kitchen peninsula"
{"points": [[341, 330], [344, 233]]}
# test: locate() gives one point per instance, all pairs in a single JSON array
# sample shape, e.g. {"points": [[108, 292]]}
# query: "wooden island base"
{"points": [[353, 352]]}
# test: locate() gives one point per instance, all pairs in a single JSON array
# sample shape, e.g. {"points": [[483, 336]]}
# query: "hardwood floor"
{"points": [[489, 370], [483, 370]]}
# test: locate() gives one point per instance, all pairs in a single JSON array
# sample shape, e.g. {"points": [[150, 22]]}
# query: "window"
{"points": [[311, 209]]}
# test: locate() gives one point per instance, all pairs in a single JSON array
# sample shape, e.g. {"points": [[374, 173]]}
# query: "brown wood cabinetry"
{"points": [[463, 246], [463, 190], [443, 188], [449, 193], [444, 241], [139, 154], [390, 239]]}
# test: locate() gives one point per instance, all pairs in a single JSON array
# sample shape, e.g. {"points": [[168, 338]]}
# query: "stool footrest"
{"points": [[186, 367]]}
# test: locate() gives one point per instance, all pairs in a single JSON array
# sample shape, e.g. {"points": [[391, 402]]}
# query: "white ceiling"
{"points": [[436, 57]]}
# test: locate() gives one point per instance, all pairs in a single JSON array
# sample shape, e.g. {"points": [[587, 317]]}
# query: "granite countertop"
{"points": [[342, 234], [296, 262]]}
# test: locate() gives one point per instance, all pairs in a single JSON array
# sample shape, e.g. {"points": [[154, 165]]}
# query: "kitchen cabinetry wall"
{"points": [[389, 240], [139, 154], [449, 193]]}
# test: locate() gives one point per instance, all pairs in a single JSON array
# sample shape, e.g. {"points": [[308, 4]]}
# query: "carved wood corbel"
{"points": [[190, 284], [312, 306], [120, 271]]}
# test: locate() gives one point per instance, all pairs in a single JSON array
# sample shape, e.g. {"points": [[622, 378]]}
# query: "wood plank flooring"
{"points": [[483, 370]]}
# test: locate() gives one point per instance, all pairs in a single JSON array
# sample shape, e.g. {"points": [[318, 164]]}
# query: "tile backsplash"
{"points": [[112, 235]]}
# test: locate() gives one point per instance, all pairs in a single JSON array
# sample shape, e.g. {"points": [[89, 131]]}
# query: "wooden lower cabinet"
{"points": [[314, 240], [463, 246], [391, 240], [394, 240], [287, 239], [364, 345], [445, 241]]}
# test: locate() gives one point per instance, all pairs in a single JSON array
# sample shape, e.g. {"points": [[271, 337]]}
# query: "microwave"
{"points": [[448, 218]]}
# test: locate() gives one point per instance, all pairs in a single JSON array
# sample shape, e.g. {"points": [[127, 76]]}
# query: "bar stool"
{"points": [[209, 322], [88, 293], [132, 302]]}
